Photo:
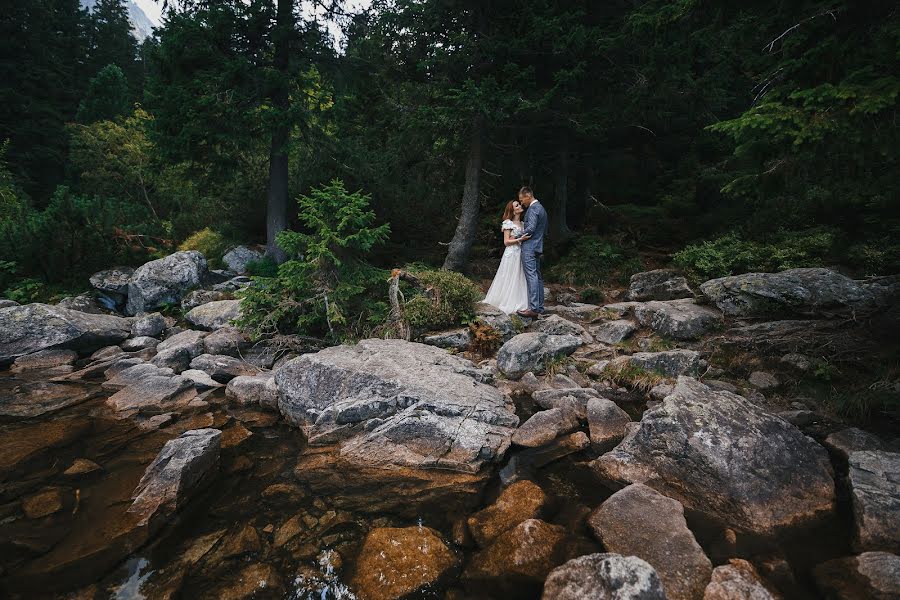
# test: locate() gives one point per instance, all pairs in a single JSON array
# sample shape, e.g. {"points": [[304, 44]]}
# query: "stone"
{"points": [[396, 562], [178, 472], [842, 443], [176, 359], [618, 310], [31, 399], [142, 342], [763, 380], [658, 392], [244, 541], [189, 339], [44, 503], [578, 311], [113, 280], [253, 389], [721, 455], [223, 368], [86, 303], [662, 539], [232, 285], [528, 551], [661, 284], [603, 577], [534, 352], [44, 359], [519, 502], [814, 292], [228, 341], [669, 363], [545, 426], [801, 362], [82, 466], [454, 339], [215, 315], [613, 332], [573, 399], [874, 477], [200, 379], [196, 298], [149, 325], [164, 281], [30, 328], [153, 394], [556, 325], [678, 319], [5, 303], [107, 353], [799, 418], [251, 582], [288, 531], [239, 257], [722, 386], [606, 422], [737, 580], [869, 576]]}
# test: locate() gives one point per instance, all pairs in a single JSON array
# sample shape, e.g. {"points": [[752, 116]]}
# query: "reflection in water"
{"points": [[131, 588]]}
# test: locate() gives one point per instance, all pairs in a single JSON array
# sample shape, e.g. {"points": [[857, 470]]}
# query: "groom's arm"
{"points": [[530, 223]]}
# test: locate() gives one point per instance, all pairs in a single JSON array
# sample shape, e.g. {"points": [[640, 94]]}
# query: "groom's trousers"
{"points": [[531, 263]]}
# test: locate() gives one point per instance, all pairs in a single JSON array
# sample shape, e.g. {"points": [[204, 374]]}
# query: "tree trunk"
{"points": [[276, 209], [461, 244], [559, 224]]}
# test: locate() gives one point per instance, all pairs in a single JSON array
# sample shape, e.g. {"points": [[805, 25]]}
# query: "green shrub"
{"points": [[731, 254], [449, 300], [207, 242], [593, 261], [328, 289], [265, 267]]}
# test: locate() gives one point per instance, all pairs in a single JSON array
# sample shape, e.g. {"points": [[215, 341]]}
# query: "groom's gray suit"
{"points": [[532, 252]]}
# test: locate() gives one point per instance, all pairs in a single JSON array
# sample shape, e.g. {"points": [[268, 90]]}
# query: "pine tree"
{"points": [[112, 42], [107, 97]]}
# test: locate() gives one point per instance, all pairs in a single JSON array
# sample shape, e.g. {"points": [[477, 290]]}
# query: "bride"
{"points": [[509, 291]]}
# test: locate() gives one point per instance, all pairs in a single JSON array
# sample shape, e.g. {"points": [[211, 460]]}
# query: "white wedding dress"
{"points": [[509, 291]]}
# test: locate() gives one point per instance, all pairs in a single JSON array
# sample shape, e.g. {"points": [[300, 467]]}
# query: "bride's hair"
{"points": [[509, 213]]}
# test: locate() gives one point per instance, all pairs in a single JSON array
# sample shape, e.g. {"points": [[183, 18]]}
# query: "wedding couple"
{"points": [[518, 286]]}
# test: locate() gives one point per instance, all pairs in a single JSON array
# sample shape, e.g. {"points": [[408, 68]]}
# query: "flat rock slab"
{"points": [[603, 576], [533, 352], [30, 328], [613, 332], [164, 281], [678, 319], [869, 576], [662, 539], [720, 454], [33, 399], [812, 292], [875, 486], [215, 315], [669, 363], [557, 325], [44, 359], [519, 502], [661, 284]]}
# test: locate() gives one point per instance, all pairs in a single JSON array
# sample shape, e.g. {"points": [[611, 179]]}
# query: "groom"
{"points": [[533, 251]]}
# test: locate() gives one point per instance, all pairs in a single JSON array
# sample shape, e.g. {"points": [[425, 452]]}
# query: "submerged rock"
{"points": [[30, 328], [396, 562], [662, 539], [737, 580], [35, 398], [719, 454], [215, 315], [114, 281], [678, 319], [533, 352], [869, 576], [875, 486], [164, 281], [661, 284], [519, 502], [603, 577], [180, 469], [528, 551]]}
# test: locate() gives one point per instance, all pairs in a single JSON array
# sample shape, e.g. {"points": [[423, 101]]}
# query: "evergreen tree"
{"points": [[107, 97], [113, 43]]}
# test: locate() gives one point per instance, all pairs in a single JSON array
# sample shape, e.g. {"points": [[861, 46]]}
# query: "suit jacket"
{"points": [[536, 227]]}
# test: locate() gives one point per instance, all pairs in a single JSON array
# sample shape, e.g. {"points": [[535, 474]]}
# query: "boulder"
{"points": [[142, 342], [815, 292], [30, 328], [215, 315], [454, 339], [519, 502], [568, 398], [670, 363], [200, 379], [662, 539], [120, 378], [763, 380], [223, 368], [661, 284], [44, 359], [396, 562], [113, 281], [239, 257], [720, 454], [178, 359], [579, 311], [874, 477], [849, 440], [528, 551], [678, 319], [556, 325], [497, 319], [180, 469], [737, 580], [189, 339], [869, 576], [545, 426], [153, 394], [606, 422], [164, 281], [613, 332], [195, 298], [533, 352], [603, 577], [228, 341], [618, 310], [86, 303], [253, 389], [149, 325]]}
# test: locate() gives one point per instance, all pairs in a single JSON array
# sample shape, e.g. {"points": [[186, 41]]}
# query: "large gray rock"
{"points": [[533, 352], [497, 319], [678, 319], [606, 422], [149, 325], [875, 486], [569, 398], [662, 539], [85, 302], [33, 327], [806, 292], [180, 469], [139, 343], [670, 363], [846, 441], [613, 332], [545, 426], [223, 368], [253, 389], [660, 284], [227, 340], [176, 359], [189, 339], [454, 339], [603, 577], [869, 576], [153, 394], [556, 325], [6, 303], [164, 281], [239, 257], [215, 315], [112, 281], [391, 402], [720, 454]]}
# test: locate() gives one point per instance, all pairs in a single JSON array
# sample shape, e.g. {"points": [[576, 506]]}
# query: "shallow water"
{"points": [[88, 543]]}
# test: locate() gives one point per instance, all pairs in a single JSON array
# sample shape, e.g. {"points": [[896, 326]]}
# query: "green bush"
{"points": [[327, 289], [449, 300], [731, 254], [593, 261], [207, 242]]}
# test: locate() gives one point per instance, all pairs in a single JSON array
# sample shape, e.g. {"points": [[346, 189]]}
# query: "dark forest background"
{"points": [[724, 136]]}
